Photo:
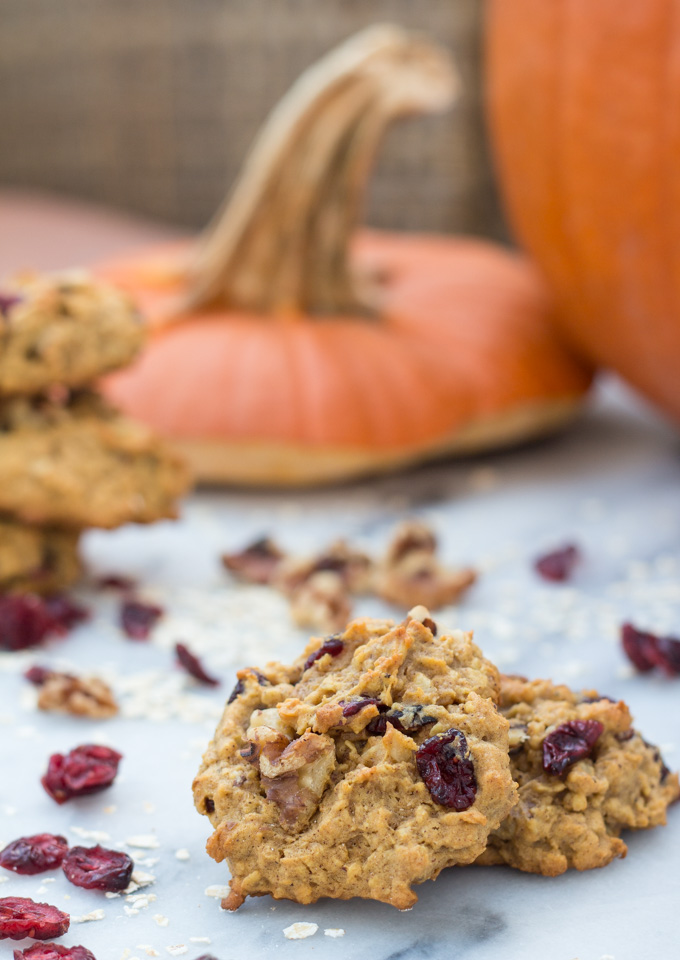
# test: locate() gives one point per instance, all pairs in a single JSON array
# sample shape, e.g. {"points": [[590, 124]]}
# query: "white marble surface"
{"points": [[612, 484]]}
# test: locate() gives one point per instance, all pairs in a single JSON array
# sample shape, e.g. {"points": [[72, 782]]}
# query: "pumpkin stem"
{"points": [[281, 241]]}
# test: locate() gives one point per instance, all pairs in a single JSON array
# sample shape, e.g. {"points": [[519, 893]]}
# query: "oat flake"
{"points": [[300, 930]]}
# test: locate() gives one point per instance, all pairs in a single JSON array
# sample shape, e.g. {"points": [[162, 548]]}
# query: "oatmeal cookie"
{"points": [[79, 463], [63, 329], [584, 776], [37, 559], [372, 763]]}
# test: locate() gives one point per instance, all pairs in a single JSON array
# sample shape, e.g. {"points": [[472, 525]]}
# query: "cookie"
{"points": [[374, 761], [81, 464], [37, 559], [584, 776], [63, 329]]}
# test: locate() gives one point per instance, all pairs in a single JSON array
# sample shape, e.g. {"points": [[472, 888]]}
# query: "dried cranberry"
{"points": [[256, 563], [350, 709], [25, 621], [240, 686], [35, 854], [639, 647], [65, 613], [558, 565], [84, 770], [116, 581], [568, 743], [7, 301], [138, 619], [193, 666], [53, 951], [96, 868], [38, 675], [444, 764], [646, 650], [21, 917], [377, 726], [431, 625], [237, 691], [656, 753], [333, 645], [668, 655]]}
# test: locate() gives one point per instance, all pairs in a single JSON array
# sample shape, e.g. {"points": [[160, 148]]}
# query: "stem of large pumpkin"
{"points": [[281, 242]]}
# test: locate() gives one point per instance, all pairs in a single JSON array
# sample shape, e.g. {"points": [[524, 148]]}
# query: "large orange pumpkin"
{"points": [[584, 103], [289, 349]]}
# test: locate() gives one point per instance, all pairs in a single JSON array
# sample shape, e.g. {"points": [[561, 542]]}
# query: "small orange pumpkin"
{"points": [[291, 349], [583, 106]]}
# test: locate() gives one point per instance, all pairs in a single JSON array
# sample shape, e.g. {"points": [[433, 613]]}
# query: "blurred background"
{"points": [[150, 107]]}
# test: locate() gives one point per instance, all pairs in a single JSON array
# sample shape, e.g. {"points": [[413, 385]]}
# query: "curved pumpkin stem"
{"points": [[280, 243]]}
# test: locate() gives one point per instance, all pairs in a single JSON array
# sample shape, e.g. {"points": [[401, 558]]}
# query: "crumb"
{"points": [[182, 854], [334, 932], [161, 920]]}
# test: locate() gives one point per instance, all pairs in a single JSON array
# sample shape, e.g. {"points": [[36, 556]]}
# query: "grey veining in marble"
{"points": [[612, 484]]}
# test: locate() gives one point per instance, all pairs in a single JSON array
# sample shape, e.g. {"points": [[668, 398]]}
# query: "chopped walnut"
{"points": [[354, 567], [322, 603], [424, 580], [411, 574], [293, 773], [257, 563], [80, 696], [296, 778], [518, 734], [410, 537]]}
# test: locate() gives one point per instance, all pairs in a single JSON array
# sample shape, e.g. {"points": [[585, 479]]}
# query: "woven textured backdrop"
{"points": [[150, 105]]}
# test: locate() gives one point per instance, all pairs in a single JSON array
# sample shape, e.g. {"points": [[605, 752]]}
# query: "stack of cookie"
{"points": [[390, 751], [67, 460]]}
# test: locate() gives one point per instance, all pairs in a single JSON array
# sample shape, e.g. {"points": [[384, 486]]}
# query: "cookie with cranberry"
{"points": [[369, 765], [584, 776], [78, 463], [37, 559], [65, 329]]}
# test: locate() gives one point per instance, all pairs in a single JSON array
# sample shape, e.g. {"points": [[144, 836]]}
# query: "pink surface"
{"points": [[46, 232]]}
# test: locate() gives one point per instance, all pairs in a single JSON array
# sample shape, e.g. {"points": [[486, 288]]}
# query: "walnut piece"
{"points": [[354, 567], [293, 773], [411, 574], [79, 696], [322, 603], [257, 563]]}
